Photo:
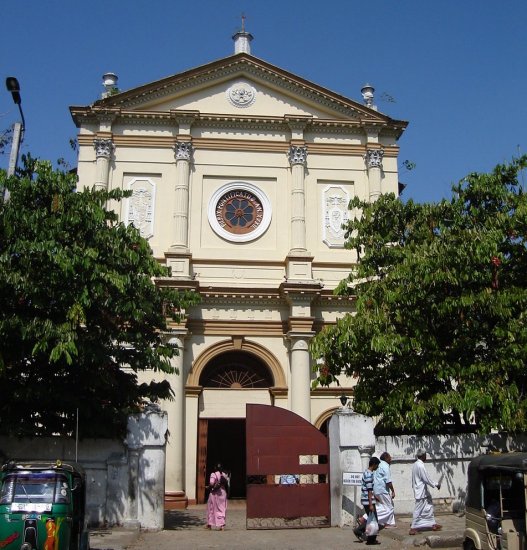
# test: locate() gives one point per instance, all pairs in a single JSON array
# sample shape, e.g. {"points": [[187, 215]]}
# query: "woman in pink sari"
{"points": [[217, 502]]}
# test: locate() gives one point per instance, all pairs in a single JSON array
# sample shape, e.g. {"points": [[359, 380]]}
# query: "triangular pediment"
{"points": [[242, 85]]}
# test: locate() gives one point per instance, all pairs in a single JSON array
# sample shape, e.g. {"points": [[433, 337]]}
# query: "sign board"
{"points": [[351, 478]]}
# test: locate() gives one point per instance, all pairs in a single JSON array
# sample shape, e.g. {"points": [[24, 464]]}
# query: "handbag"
{"points": [[221, 482], [372, 526]]}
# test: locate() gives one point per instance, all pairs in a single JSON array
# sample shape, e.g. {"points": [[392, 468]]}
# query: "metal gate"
{"points": [[281, 442]]}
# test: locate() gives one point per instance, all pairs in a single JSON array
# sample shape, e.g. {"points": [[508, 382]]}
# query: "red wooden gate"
{"points": [[281, 442]]}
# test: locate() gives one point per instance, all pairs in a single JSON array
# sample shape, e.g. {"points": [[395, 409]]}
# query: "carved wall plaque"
{"points": [[141, 205], [335, 200]]}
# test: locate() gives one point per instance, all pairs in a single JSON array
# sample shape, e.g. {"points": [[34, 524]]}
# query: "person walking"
{"points": [[423, 519], [217, 501], [384, 492], [289, 479], [367, 500]]}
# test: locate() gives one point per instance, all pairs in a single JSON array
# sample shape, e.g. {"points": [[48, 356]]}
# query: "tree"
{"points": [[439, 337], [5, 139], [80, 313]]}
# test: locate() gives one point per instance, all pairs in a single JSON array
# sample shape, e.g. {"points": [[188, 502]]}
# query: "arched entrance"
{"points": [[230, 379]]}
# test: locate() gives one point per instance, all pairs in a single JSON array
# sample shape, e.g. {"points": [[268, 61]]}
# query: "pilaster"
{"points": [[373, 160], [298, 260], [178, 257], [104, 149], [175, 495]]}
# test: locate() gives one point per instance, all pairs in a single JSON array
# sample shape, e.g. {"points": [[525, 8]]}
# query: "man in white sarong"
{"points": [[423, 519], [384, 492]]}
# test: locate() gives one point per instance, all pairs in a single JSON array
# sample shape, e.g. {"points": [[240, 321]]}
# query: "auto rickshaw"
{"points": [[495, 505], [42, 506]]}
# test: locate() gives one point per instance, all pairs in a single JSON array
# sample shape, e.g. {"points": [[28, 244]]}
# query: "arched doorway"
{"points": [[230, 380]]}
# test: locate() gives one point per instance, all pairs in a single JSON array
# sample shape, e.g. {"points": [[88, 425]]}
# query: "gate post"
{"points": [[351, 439]]}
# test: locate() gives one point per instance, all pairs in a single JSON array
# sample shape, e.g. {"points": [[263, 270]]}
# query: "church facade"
{"points": [[241, 174]]}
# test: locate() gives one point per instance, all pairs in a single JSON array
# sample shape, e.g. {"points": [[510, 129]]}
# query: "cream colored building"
{"points": [[241, 174]]}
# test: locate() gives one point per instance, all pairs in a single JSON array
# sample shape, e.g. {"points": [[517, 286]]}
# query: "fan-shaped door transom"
{"points": [[236, 370]]}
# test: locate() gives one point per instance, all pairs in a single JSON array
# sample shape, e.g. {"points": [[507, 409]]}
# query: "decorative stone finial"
{"points": [[109, 81], [242, 40], [367, 92]]}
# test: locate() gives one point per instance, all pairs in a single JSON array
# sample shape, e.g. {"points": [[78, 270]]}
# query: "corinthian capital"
{"points": [[103, 147], [183, 150], [374, 158], [297, 155]]}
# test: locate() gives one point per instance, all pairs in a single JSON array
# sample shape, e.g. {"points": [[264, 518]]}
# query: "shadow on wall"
{"points": [[124, 480], [447, 461]]}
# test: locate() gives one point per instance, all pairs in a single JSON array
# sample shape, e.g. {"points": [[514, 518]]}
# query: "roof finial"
{"points": [[242, 39], [367, 93]]}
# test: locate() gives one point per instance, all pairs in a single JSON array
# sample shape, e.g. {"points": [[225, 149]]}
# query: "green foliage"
{"points": [[439, 338], [80, 314], [5, 140], [409, 165]]}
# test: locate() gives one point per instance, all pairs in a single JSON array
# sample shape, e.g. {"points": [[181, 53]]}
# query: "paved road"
{"points": [[185, 530]]}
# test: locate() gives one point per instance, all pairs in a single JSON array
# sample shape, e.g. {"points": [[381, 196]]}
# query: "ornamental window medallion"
{"points": [[141, 206], [239, 212], [241, 95], [335, 200]]}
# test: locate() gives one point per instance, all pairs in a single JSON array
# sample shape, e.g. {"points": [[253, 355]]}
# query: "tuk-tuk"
{"points": [[495, 504], [42, 506]]}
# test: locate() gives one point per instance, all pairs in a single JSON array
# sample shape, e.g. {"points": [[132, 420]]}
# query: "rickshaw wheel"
{"points": [[468, 544]]}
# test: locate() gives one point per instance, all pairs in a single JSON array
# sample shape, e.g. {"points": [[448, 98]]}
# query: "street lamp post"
{"points": [[13, 86]]}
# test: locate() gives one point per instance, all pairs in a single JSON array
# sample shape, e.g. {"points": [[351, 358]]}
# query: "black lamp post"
{"points": [[13, 86], [343, 399]]}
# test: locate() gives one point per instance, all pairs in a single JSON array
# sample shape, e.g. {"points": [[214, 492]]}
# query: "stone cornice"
{"points": [[178, 284], [224, 144], [335, 301], [246, 292], [230, 327], [238, 121], [276, 391], [193, 391], [335, 391], [311, 289]]}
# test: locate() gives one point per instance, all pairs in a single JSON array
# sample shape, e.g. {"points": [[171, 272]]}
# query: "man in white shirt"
{"points": [[423, 519], [384, 492]]}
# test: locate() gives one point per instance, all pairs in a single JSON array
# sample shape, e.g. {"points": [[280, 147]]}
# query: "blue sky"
{"points": [[456, 69]]}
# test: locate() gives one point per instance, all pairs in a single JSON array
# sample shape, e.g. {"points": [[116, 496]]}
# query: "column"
{"points": [[374, 164], [181, 195], [103, 152], [300, 377], [297, 159], [175, 496]]}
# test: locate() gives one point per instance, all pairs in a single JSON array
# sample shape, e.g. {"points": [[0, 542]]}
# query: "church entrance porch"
{"points": [[229, 380], [224, 442]]}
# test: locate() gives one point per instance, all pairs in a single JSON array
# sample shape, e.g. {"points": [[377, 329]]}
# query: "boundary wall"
{"points": [[352, 443], [125, 480]]}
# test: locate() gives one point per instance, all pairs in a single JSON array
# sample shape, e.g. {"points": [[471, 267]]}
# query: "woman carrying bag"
{"points": [[217, 501]]}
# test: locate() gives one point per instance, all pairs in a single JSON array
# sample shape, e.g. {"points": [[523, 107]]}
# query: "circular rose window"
{"points": [[239, 212]]}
